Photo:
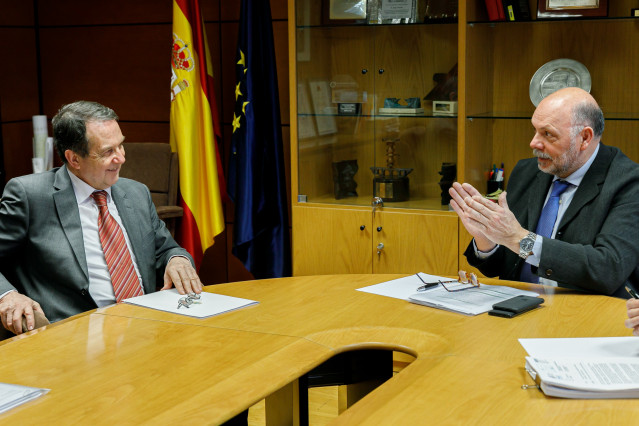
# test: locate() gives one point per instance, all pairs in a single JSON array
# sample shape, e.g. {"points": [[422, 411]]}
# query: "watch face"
{"points": [[527, 244]]}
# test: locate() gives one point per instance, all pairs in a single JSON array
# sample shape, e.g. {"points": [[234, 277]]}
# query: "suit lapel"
{"points": [[127, 214], [590, 185], [67, 210]]}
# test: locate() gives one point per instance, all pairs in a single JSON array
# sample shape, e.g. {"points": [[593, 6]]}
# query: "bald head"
{"points": [[583, 108], [568, 127]]}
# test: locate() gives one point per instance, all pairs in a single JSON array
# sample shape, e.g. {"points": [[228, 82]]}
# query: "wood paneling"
{"points": [[335, 244], [145, 132], [81, 12], [210, 10], [18, 147], [126, 68], [415, 242], [19, 82], [14, 13]]}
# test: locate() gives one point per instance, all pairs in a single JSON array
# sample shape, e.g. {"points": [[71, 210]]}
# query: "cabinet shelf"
{"points": [[609, 116], [375, 116], [559, 21], [365, 24], [365, 201]]}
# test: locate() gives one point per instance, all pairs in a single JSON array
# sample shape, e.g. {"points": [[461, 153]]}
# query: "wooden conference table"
{"points": [[132, 365]]}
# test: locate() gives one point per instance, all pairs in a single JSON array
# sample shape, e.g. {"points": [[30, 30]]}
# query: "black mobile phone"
{"points": [[500, 313], [515, 306]]}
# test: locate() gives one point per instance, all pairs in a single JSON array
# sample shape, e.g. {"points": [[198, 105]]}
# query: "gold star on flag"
{"points": [[244, 107], [237, 91], [241, 61], [236, 122]]}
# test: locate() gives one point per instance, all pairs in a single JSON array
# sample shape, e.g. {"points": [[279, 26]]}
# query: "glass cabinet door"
{"points": [[366, 120]]}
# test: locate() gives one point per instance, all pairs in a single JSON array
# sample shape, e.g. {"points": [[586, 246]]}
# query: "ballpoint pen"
{"points": [[632, 293]]}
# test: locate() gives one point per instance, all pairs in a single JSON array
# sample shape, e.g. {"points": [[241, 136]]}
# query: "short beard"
{"points": [[561, 164]]}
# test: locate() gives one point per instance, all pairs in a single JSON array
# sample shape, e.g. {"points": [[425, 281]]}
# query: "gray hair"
{"points": [[587, 114], [69, 126]]}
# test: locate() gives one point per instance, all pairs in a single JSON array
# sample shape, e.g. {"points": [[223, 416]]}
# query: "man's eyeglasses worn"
{"points": [[463, 279]]}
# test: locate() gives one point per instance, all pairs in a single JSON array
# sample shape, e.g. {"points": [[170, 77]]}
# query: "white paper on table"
{"points": [[473, 301], [210, 303], [582, 347], [13, 395], [400, 288]]}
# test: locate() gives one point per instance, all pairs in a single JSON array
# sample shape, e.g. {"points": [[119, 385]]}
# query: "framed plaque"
{"points": [[553, 9], [323, 108]]}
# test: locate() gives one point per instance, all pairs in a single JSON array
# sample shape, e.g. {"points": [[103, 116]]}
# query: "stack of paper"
{"points": [[472, 301], [585, 368]]}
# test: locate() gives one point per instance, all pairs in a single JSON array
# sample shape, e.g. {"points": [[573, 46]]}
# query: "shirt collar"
{"points": [[83, 190], [577, 176]]}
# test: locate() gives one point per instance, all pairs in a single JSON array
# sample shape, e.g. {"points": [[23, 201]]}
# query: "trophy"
{"points": [[390, 183]]}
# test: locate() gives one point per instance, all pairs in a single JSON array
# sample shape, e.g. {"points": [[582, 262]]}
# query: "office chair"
{"points": [[156, 166]]}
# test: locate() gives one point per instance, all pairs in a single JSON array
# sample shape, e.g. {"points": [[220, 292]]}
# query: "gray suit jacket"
{"points": [[42, 248], [596, 248]]}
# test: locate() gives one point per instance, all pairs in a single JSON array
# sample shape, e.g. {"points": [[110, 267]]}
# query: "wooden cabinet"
{"points": [[352, 62], [331, 240], [415, 242]]}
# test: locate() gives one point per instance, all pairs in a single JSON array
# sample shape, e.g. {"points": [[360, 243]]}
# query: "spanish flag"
{"points": [[195, 128]]}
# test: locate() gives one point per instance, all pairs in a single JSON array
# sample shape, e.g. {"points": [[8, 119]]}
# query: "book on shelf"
{"points": [[516, 10], [495, 10]]}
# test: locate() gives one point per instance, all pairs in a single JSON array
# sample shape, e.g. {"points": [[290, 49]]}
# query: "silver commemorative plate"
{"points": [[557, 74]]}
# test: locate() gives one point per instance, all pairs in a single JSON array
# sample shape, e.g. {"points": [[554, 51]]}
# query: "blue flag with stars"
{"points": [[257, 180]]}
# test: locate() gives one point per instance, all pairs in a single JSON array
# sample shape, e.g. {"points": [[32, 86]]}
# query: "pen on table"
{"points": [[632, 293]]}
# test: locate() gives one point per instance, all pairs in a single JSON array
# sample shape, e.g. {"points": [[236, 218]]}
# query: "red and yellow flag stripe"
{"points": [[194, 127]]}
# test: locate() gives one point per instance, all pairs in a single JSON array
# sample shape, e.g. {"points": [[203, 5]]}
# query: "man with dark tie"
{"points": [[570, 216], [78, 237]]}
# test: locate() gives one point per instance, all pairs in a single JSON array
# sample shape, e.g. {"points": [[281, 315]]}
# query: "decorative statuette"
{"points": [[391, 183]]}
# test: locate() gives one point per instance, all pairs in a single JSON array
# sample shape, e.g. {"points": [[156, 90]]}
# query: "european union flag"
{"points": [[257, 181]]}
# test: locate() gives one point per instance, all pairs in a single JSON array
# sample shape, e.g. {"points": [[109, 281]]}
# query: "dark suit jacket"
{"points": [[596, 248], [41, 244]]}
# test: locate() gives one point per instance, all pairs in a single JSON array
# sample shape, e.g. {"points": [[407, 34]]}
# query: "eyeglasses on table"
{"points": [[464, 278]]}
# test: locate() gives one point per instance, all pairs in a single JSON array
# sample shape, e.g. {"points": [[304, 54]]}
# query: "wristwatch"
{"points": [[526, 245]]}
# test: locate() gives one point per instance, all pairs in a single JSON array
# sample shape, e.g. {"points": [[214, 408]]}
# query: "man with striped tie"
{"points": [[79, 237], [570, 216]]}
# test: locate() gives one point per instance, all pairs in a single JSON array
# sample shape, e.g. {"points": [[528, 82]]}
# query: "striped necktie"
{"points": [[116, 253]]}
